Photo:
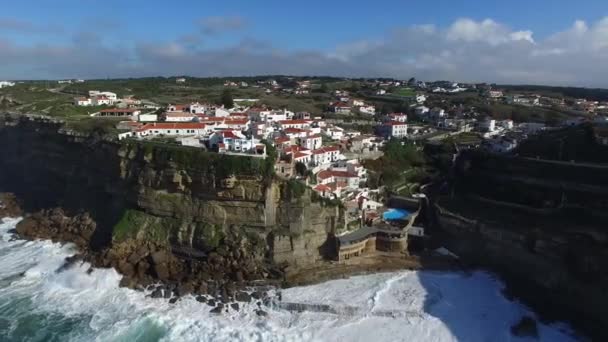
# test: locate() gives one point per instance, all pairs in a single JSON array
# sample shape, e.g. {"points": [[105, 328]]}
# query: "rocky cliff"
{"points": [[198, 205], [540, 223]]}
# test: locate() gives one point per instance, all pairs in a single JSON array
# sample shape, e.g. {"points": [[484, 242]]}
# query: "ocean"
{"points": [[41, 301]]}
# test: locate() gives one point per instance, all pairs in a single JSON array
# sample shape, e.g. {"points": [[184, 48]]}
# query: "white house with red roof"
{"points": [[179, 116], [234, 141], [296, 132], [310, 142], [299, 123], [166, 129], [325, 155], [393, 129], [326, 191], [334, 132], [338, 179], [340, 108], [235, 124]]}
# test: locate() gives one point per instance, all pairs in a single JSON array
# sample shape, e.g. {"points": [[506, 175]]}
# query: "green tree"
{"points": [[300, 168], [324, 88], [227, 99]]}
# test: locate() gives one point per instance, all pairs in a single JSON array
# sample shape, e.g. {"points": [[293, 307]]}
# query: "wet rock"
{"points": [[201, 299], [9, 206], [261, 313], [211, 302], [235, 306], [526, 327], [158, 293], [243, 297], [216, 310], [173, 300]]}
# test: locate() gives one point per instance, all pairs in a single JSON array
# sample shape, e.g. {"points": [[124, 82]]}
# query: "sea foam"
{"points": [[40, 300]]}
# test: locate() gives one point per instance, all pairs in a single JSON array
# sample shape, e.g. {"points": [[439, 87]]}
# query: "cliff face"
{"points": [[540, 223], [181, 197]]}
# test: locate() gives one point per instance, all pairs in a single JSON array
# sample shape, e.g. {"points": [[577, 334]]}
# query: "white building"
{"points": [[302, 124], [488, 125], [120, 112], [334, 132], [179, 117], [82, 101], [393, 129], [310, 142], [369, 110], [167, 129], [4, 84], [420, 99], [147, 117], [107, 94], [422, 110], [180, 80], [325, 155], [100, 100]]}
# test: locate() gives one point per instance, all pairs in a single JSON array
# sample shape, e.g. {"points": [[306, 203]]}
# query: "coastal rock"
{"points": [[9, 206]]}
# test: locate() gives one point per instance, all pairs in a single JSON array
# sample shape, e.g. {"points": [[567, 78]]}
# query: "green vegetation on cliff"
{"points": [[209, 163], [137, 224]]}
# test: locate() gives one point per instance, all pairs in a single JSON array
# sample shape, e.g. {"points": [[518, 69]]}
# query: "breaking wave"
{"points": [[41, 301]]}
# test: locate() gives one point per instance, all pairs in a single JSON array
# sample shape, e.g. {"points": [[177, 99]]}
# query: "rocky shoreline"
{"points": [[222, 280]]}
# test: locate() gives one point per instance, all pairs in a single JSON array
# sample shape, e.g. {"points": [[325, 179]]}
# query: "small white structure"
{"points": [[369, 110], [100, 100], [149, 117], [180, 80], [422, 110], [420, 99], [4, 84], [82, 101], [179, 117], [488, 125]]}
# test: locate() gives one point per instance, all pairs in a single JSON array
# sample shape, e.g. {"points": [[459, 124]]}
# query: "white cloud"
{"points": [[466, 50]]}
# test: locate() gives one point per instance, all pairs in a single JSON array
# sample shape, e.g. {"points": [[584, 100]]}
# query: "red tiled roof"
{"points": [[299, 155], [326, 149], [294, 130], [229, 134], [282, 140], [325, 174], [322, 188]]}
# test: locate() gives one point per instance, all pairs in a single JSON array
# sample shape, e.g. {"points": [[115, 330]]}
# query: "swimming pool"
{"points": [[395, 214]]}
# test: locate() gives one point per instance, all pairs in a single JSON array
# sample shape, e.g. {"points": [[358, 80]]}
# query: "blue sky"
{"points": [[308, 37]]}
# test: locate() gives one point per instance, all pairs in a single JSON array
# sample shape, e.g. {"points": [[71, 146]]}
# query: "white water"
{"points": [[39, 304]]}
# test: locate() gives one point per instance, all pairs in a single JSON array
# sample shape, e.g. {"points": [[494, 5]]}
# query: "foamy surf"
{"points": [[37, 303]]}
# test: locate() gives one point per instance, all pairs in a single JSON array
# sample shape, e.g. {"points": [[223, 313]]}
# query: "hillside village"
{"points": [[339, 148], [323, 151]]}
